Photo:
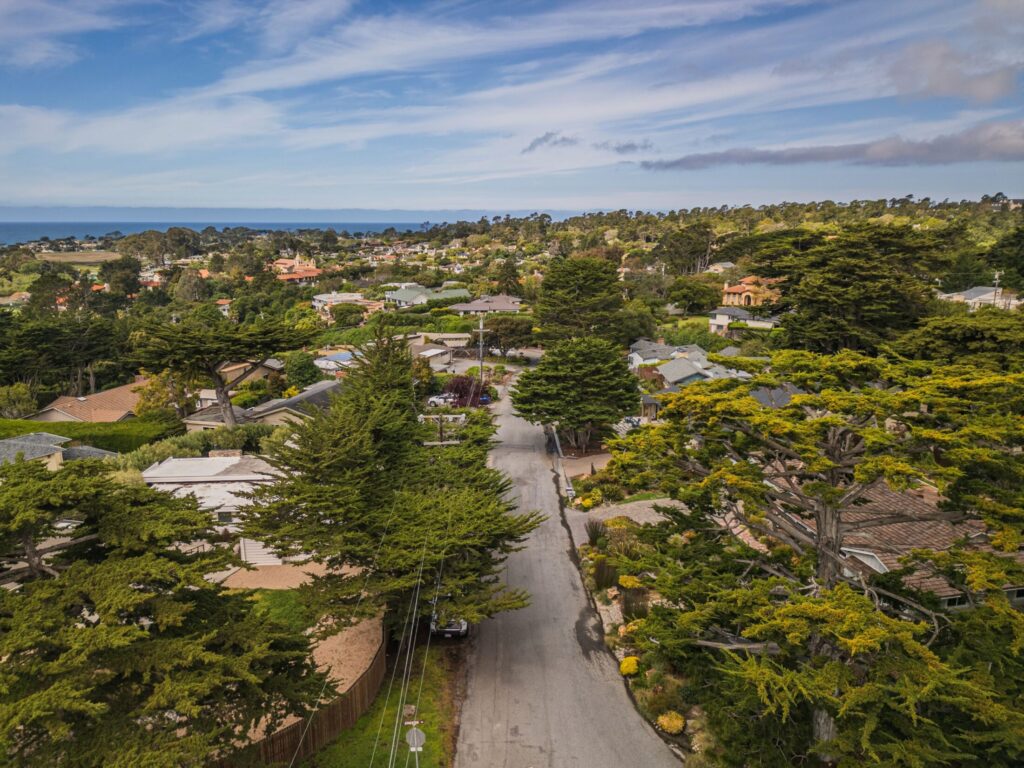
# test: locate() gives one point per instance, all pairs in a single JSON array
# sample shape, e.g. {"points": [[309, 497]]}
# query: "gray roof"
{"points": [[738, 312], [680, 369], [741, 314], [654, 399], [729, 351], [775, 397], [652, 350], [977, 292], [36, 445], [314, 396], [28, 449]]}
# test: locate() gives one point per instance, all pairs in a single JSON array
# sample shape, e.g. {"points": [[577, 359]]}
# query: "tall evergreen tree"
{"points": [[580, 386], [579, 297], [385, 514]]}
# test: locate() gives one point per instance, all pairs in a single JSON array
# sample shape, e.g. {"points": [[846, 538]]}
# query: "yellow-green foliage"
{"points": [[629, 666], [630, 582], [672, 723]]}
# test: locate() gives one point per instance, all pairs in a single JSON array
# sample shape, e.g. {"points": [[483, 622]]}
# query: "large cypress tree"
{"points": [[117, 651], [579, 297], [581, 386]]}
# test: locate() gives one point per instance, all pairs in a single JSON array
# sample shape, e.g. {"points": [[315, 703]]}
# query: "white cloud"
{"points": [[165, 126], [992, 142], [33, 32], [937, 68], [376, 44]]}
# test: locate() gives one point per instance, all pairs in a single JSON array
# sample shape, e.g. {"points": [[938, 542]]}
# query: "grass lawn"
{"points": [[438, 708], [283, 606]]}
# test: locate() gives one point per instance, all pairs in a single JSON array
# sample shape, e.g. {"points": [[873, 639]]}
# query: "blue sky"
{"points": [[648, 104]]}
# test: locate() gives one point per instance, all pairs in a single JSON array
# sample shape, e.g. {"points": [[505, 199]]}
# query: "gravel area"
{"points": [[637, 511]]}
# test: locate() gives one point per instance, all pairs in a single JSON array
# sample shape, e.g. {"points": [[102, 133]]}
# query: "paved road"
{"points": [[542, 691]]}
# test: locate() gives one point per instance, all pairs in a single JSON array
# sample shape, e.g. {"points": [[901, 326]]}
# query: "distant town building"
{"points": [[984, 296], [751, 291]]}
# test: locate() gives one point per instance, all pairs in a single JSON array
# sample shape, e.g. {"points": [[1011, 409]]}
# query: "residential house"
{"points": [[721, 319], [415, 295], [450, 340], [335, 363], [647, 352], [751, 291], [689, 366], [224, 307], [52, 450], [116, 404], [486, 305], [323, 302], [719, 267], [438, 355], [282, 410], [984, 296], [218, 482], [875, 549], [229, 371]]}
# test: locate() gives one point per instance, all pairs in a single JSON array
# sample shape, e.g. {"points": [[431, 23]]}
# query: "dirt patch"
{"points": [[453, 695], [274, 576], [346, 655]]}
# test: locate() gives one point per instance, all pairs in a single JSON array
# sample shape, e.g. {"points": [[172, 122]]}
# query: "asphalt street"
{"points": [[541, 689]]}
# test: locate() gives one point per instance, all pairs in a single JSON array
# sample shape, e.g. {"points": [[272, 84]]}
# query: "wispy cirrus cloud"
{"points": [[550, 139], [1001, 141], [625, 147], [35, 33]]}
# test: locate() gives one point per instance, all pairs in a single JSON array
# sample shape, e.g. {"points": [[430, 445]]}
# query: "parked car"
{"points": [[485, 399], [450, 628], [441, 401]]}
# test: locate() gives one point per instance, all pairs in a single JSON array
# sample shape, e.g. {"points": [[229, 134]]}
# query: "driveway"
{"points": [[542, 690]]}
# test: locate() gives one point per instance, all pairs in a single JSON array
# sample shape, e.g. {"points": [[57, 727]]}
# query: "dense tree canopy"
{"points": [[385, 514], [117, 650]]}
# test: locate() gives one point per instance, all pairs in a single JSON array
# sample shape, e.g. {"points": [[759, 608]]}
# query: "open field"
{"points": [[80, 257]]}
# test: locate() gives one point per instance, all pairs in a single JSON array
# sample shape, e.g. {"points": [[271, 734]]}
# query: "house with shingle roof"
{"points": [[50, 449], [116, 404]]}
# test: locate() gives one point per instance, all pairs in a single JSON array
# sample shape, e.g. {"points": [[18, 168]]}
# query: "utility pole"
{"points": [[995, 293], [480, 331]]}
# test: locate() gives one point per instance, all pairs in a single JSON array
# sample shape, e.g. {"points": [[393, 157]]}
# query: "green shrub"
{"points": [[595, 530], [120, 436], [246, 437]]}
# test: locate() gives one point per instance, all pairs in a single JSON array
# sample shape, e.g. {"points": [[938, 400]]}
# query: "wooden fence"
{"points": [[328, 722]]}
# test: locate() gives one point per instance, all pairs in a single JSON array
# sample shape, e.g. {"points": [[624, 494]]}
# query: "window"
{"points": [[225, 517], [953, 602]]}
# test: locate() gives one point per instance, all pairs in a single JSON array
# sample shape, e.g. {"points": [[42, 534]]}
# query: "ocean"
{"points": [[23, 231]]}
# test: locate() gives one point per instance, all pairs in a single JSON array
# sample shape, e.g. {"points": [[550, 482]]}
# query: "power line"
{"points": [[362, 594]]}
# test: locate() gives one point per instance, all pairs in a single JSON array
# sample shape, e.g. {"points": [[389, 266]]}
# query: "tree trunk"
{"points": [[34, 560], [92, 380], [829, 544], [825, 731], [224, 401]]}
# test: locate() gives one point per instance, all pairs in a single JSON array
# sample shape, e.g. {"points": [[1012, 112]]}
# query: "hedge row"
{"points": [[120, 436]]}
